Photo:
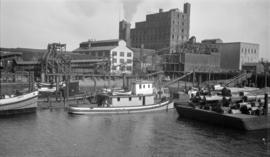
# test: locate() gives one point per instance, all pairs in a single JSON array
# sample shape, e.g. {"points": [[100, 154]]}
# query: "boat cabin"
{"points": [[142, 87], [142, 94]]}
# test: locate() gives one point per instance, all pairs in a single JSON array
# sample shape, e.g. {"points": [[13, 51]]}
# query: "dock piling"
{"points": [[266, 104]]}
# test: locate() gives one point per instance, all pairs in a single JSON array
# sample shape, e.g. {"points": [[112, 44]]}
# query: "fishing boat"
{"points": [[18, 103], [140, 99], [248, 115]]}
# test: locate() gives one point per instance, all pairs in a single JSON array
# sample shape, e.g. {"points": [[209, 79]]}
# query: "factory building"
{"points": [[236, 54], [179, 63], [165, 29], [8, 59], [115, 52]]}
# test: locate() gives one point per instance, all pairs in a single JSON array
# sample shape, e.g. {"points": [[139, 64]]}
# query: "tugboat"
{"points": [[140, 98]]}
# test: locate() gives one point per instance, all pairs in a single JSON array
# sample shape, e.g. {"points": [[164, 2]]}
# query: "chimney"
{"points": [[160, 10], [124, 31], [187, 8]]}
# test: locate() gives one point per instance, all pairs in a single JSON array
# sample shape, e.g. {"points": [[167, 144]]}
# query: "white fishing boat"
{"points": [[141, 99], [18, 103]]}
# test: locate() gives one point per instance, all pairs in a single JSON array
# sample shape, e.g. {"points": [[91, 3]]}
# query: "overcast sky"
{"points": [[35, 23]]}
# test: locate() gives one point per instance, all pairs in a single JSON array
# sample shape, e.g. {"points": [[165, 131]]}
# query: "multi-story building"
{"points": [[7, 60], [179, 63], [235, 54], [163, 30], [118, 56]]}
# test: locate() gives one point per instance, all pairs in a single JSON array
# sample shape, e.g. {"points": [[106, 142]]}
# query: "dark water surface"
{"points": [[55, 133]]}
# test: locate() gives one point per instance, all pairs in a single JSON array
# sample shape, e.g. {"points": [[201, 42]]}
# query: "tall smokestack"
{"points": [[124, 31], [187, 8]]}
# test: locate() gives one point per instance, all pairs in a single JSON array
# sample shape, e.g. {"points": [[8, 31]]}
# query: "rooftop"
{"points": [[99, 48]]}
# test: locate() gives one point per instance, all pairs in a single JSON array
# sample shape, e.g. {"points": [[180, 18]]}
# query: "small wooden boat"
{"points": [[19, 104], [141, 99]]}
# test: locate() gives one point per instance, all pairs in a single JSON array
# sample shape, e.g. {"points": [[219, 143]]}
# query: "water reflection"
{"points": [[57, 133]]}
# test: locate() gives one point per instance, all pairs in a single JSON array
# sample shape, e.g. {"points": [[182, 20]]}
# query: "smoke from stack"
{"points": [[130, 8]]}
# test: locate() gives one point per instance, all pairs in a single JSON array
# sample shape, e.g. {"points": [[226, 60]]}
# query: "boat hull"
{"points": [[121, 110], [21, 104], [237, 121]]}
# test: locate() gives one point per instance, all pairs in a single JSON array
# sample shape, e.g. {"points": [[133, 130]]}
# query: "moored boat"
{"points": [[18, 103], [48, 87], [140, 99], [252, 114]]}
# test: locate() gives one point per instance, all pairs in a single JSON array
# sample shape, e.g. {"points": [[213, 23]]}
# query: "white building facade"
{"points": [[115, 52], [121, 59]]}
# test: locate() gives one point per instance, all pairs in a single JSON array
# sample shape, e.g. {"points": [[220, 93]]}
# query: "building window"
{"points": [[129, 61], [140, 86], [129, 68], [114, 60], [149, 86], [143, 86], [114, 53], [113, 67], [129, 54], [122, 68], [122, 61], [100, 54], [140, 98], [182, 30], [118, 98], [122, 54], [130, 98]]}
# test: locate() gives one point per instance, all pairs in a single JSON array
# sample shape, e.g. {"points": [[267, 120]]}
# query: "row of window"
{"points": [[248, 50], [122, 54], [144, 86], [130, 98], [177, 37], [178, 23], [122, 60], [122, 68]]}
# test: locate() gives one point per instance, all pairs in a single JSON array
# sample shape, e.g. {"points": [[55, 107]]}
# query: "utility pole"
{"points": [[265, 68]]}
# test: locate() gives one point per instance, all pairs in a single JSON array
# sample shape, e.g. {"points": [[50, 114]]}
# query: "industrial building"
{"points": [[236, 54], [180, 63], [210, 56], [7, 60], [160, 30], [118, 56]]}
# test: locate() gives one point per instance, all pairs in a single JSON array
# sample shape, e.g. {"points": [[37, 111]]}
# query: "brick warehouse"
{"points": [[162, 30]]}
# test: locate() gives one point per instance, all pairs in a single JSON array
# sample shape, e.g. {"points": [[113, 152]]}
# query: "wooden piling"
{"points": [[266, 104]]}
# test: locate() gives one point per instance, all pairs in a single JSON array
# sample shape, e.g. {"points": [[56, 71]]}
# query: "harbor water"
{"points": [[54, 132]]}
